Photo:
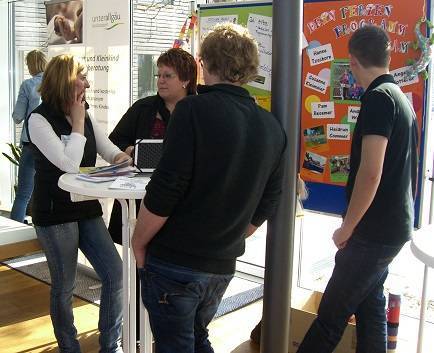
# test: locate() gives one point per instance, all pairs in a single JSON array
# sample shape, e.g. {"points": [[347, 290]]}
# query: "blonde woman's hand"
{"points": [[129, 150], [77, 109], [120, 157]]}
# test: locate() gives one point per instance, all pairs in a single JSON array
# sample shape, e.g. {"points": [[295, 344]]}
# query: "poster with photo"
{"points": [[103, 45], [329, 89], [64, 22]]}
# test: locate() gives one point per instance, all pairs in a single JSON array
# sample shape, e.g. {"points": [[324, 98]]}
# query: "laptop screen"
{"points": [[147, 154]]}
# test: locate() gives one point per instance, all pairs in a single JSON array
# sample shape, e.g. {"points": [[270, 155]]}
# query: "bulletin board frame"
{"points": [[327, 27]]}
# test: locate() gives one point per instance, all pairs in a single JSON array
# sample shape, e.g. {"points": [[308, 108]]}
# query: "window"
{"points": [[147, 68]]}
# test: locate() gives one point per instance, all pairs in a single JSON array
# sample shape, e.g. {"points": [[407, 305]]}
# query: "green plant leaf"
{"points": [[16, 151], [15, 155], [10, 159]]}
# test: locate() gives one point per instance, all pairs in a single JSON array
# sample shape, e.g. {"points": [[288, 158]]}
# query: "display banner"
{"points": [[331, 95], [97, 31], [257, 18]]}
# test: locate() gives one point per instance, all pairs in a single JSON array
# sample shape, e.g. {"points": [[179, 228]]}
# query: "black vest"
{"points": [[52, 205]]}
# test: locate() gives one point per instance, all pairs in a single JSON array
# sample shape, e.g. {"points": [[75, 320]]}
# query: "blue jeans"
{"points": [[355, 287], [61, 243], [26, 173], [181, 302]]}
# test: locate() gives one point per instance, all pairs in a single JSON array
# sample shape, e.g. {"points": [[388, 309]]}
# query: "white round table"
{"points": [[422, 246], [69, 182], [83, 190]]}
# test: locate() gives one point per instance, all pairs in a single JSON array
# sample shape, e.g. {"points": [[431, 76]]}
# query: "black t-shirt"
{"points": [[386, 111]]}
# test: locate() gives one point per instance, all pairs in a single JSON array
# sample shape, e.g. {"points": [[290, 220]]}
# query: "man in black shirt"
{"points": [[219, 178], [380, 192]]}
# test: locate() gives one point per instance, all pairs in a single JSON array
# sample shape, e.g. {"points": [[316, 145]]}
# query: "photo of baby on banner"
{"points": [[64, 21], [343, 86]]}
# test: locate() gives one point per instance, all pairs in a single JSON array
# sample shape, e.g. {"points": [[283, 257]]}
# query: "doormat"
{"points": [[89, 288], [239, 300], [35, 266]]}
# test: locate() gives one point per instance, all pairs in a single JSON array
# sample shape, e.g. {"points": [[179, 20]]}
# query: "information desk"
{"points": [[83, 190], [16, 239], [422, 246]]}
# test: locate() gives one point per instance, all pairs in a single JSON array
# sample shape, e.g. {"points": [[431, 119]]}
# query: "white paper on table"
{"points": [[125, 183], [95, 179]]}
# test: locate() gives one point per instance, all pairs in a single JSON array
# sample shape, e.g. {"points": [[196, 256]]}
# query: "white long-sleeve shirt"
{"points": [[66, 153]]}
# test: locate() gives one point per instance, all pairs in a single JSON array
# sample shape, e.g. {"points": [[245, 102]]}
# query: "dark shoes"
{"points": [[255, 335]]}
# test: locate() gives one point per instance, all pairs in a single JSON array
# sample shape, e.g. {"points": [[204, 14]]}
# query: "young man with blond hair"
{"points": [[219, 179]]}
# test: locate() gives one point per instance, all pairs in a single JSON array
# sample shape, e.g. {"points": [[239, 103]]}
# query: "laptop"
{"points": [[147, 154]]}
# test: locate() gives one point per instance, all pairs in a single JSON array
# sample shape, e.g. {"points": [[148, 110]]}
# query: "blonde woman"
{"points": [[28, 99], [63, 138]]}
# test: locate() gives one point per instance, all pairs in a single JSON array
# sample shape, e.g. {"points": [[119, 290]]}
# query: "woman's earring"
{"points": [[184, 86]]}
